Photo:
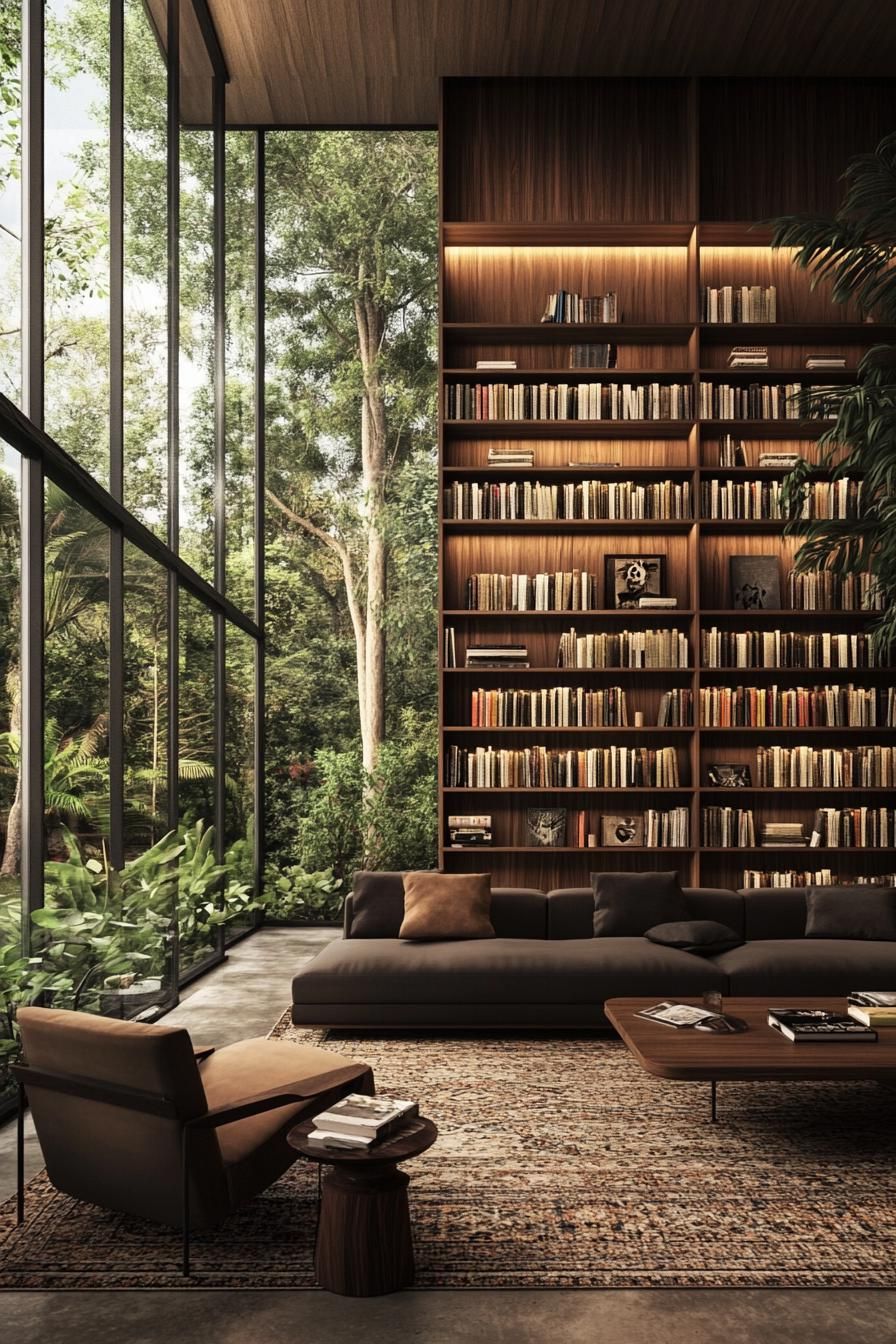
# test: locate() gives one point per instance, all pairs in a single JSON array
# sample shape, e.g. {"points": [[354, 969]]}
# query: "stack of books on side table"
{"points": [[872, 1007], [358, 1121]]}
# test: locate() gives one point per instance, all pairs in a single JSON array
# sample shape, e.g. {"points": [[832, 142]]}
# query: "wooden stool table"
{"points": [[364, 1244]]}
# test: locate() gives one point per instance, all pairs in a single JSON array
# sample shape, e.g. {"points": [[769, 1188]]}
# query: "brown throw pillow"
{"points": [[626, 905], [447, 905]]}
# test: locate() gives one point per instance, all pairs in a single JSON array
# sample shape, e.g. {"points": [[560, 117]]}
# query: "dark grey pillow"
{"points": [[626, 905], [704, 937], [851, 912], [377, 905]]}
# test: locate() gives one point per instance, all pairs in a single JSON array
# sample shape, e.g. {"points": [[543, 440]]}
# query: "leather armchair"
{"points": [[129, 1116]]}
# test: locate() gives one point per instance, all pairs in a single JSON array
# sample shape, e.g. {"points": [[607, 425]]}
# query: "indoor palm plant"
{"points": [[854, 252]]}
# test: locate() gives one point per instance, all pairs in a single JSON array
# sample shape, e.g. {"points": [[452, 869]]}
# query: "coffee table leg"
{"points": [[364, 1236], [713, 1119]]}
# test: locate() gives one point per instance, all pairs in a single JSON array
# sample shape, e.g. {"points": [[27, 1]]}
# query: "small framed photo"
{"points": [[628, 578], [729, 775], [755, 583], [619, 832], [546, 826]]}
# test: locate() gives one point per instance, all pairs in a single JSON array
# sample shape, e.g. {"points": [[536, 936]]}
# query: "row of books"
{"points": [[801, 767], [509, 500], [554, 827], [624, 648], [568, 401], [565, 306], [757, 401], [549, 707], [534, 767], [798, 706], [728, 828], [822, 590], [763, 499], [733, 453], [738, 303], [818, 877], [565, 590], [592, 356], [784, 648], [854, 828]]}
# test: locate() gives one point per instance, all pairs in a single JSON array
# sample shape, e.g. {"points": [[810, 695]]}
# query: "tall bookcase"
{"points": [[648, 188]]}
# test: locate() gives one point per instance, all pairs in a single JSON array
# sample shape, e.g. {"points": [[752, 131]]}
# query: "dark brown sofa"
{"points": [[546, 969]]}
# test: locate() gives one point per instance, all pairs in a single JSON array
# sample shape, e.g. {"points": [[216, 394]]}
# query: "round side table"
{"points": [[364, 1244]]}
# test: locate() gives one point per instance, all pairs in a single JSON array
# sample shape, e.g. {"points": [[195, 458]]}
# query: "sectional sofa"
{"points": [[545, 968]]}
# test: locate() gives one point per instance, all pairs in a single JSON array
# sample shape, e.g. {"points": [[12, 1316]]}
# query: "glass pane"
{"points": [[239, 816], [145, 701], [145, 273], [200, 877], [197, 412], [240, 444], [76, 172], [10, 202], [13, 969]]}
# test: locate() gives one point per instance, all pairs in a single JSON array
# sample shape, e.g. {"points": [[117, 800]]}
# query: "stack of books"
{"points": [[825, 361], [782, 833], [497, 655], [815, 1024], [566, 307], [496, 363], [749, 357], [511, 457], [780, 459], [591, 357], [358, 1121], [872, 1007], [655, 601], [469, 832]]}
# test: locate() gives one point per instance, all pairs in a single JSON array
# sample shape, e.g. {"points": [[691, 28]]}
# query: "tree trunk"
{"points": [[12, 850], [370, 323]]}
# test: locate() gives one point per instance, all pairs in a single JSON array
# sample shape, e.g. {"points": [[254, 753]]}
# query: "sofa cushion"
{"points": [[446, 905], [868, 913], [792, 966], [774, 912], [703, 937], [516, 912], [626, 905], [499, 970], [570, 910]]}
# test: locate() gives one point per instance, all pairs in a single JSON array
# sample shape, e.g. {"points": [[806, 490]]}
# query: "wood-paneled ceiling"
{"points": [[377, 62]]}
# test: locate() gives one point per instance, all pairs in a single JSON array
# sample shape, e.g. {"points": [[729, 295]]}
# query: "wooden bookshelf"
{"points": [[541, 190]]}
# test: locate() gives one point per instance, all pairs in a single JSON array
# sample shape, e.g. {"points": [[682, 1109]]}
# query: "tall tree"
{"points": [[352, 248]]}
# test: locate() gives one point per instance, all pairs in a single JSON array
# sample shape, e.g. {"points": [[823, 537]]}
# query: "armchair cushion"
{"points": [[254, 1151]]}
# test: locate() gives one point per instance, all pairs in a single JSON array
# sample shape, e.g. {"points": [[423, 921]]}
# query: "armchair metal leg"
{"points": [[185, 1205], [20, 1157]]}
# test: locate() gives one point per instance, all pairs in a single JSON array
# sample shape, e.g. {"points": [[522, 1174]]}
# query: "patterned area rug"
{"points": [[559, 1164]]}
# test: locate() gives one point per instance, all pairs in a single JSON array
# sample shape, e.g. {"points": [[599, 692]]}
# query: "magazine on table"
{"points": [[677, 1014]]}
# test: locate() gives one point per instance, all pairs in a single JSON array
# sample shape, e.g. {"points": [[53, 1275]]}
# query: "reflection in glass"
{"points": [[200, 877], [239, 816], [10, 203], [240, 368], [197, 409], [76, 224], [13, 970]]}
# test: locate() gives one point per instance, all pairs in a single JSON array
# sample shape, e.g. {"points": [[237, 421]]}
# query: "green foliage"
{"points": [[854, 250], [293, 895]]}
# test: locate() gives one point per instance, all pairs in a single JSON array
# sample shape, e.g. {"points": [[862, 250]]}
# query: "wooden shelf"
{"points": [[624, 728], [615, 473], [575, 333], [568, 849], [798, 849], [631, 788], [851, 673], [819, 728], [613, 613], [779, 614], [548, 525], [574, 375], [767, 429], [714, 791], [741, 524], [685, 672], [796, 333], [487, 233], [567, 429]]}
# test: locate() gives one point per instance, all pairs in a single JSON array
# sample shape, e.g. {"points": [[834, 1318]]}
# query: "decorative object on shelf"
{"points": [[628, 578], [748, 357], [546, 826], [728, 775], [616, 832], [755, 582], [496, 655], [511, 457], [469, 831]]}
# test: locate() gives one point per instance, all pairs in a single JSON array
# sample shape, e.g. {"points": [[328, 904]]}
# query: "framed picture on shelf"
{"points": [[628, 578], [755, 583], [729, 775], [619, 832], [546, 826]]}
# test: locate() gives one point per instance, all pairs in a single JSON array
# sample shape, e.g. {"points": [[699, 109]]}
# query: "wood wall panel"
{"points": [[561, 151], [554, 453]]}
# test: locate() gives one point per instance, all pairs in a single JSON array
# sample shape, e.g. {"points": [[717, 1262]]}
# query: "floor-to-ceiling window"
{"points": [[128, 768]]}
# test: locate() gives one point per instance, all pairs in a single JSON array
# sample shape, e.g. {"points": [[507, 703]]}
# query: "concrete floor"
{"points": [[243, 998]]}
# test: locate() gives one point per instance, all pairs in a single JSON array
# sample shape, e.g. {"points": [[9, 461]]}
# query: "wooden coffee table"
{"points": [[759, 1054], [364, 1243]]}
